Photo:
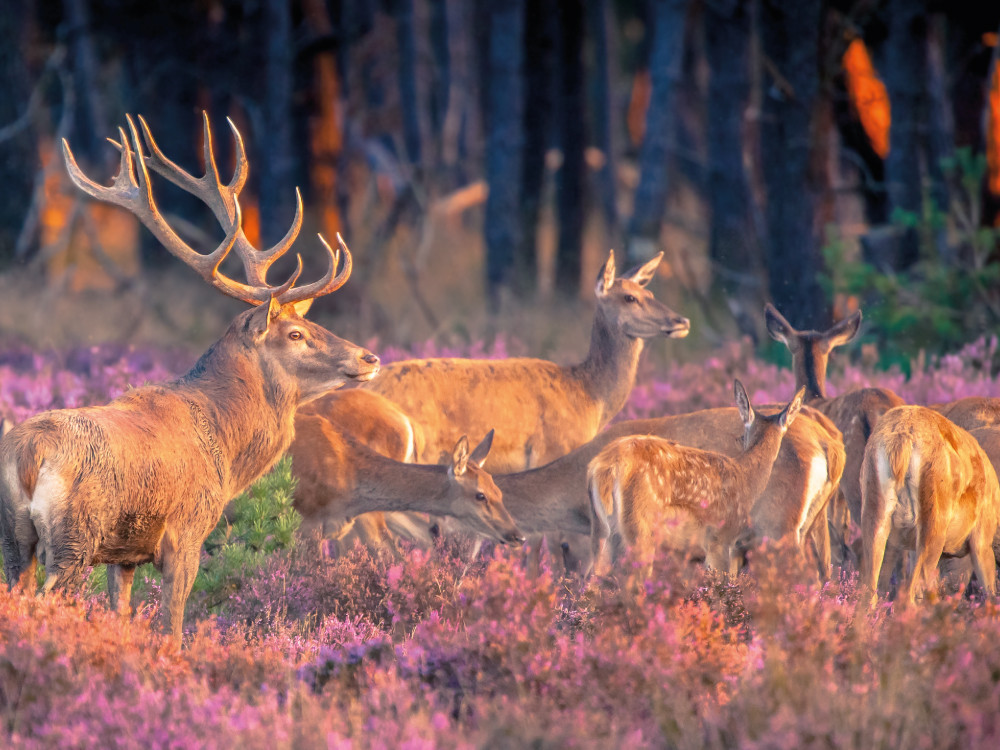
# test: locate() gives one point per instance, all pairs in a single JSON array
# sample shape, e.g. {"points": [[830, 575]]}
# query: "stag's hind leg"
{"points": [[983, 560], [179, 564]]}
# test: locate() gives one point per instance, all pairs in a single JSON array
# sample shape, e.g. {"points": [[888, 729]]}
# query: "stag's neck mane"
{"points": [[608, 373], [243, 405]]}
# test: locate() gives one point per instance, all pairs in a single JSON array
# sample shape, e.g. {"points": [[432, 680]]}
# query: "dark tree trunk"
{"points": [[601, 22], [441, 86], [277, 163], [733, 245], [505, 141], [571, 117], [540, 45], [790, 39], [940, 125], [905, 79], [90, 120], [18, 151], [406, 43], [665, 67]]}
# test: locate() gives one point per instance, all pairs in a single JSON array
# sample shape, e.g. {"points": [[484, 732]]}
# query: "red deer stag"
{"points": [[540, 410], [927, 485], [340, 478], [855, 413], [639, 481], [145, 478]]}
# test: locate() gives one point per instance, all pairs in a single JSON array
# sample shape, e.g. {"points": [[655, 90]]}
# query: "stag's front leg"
{"points": [[120, 588], [179, 564]]}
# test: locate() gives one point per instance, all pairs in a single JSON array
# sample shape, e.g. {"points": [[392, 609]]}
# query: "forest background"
{"points": [[481, 158]]}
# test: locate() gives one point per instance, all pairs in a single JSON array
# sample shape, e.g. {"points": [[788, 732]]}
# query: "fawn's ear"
{"points": [[843, 332], [645, 273], [481, 451], [779, 328], [789, 412], [743, 403], [607, 277], [460, 457]]}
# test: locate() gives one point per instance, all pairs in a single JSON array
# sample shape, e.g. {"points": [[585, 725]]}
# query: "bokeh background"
{"points": [[481, 158]]}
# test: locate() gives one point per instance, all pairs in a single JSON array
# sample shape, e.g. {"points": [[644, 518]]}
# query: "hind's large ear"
{"points": [[743, 403], [460, 457], [843, 332], [645, 273], [789, 412], [779, 328], [481, 451], [607, 277]]}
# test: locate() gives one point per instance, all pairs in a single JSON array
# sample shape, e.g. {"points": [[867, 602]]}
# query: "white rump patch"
{"points": [[49, 492], [816, 486]]}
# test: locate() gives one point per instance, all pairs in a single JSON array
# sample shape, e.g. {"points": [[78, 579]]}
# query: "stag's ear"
{"points": [[843, 332], [789, 412], [481, 451], [460, 457], [302, 306], [779, 328], [743, 403], [645, 273], [607, 277], [261, 318]]}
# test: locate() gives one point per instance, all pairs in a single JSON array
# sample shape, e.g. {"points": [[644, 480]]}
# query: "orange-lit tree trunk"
{"points": [[326, 134], [791, 122]]}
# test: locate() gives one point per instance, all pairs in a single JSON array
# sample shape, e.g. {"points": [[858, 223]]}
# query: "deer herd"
{"points": [[147, 477]]}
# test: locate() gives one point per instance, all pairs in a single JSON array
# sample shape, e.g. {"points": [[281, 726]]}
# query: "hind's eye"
{"points": [[630, 299], [481, 497], [295, 335]]}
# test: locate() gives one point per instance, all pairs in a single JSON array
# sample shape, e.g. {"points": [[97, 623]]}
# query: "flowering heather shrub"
{"points": [[285, 648]]}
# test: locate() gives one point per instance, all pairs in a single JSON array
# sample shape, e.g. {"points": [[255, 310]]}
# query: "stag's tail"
{"points": [[20, 463]]}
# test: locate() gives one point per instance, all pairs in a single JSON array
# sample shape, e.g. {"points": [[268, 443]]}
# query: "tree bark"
{"points": [[277, 161], [601, 22], [665, 68], [18, 151], [905, 79], [791, 111], [733, 246], [408, 80], [90, 120], [505, 141], [571, 118]]}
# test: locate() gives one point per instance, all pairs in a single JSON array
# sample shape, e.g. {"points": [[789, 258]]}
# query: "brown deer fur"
{"points": [[339, 478], [635, 481], [972, 412], [855, 413], [540, 410], [929, 486], [145, 478]]}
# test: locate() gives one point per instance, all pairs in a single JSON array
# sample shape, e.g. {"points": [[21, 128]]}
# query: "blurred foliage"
{"points": [[949, 295]]}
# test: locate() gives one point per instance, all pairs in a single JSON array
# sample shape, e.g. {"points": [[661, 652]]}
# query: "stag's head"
{"points": [[631, 308], [276, 328], [475, 500]]}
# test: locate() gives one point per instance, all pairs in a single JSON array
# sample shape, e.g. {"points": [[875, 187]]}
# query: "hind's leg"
{"points": [[983, 560]]}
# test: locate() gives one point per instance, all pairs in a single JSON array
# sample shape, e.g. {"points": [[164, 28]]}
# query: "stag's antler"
{"points": [[132, 191]]}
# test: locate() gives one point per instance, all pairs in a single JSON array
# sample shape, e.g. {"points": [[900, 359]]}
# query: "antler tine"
{"points": [[242, 167], [328, 283]]}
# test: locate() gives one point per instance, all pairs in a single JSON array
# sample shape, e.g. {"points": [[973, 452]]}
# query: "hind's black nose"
{"points": [[370, 358], [515, 539]]}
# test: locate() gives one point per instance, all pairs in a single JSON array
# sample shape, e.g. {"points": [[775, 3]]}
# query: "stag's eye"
{"points": [[295, 335], [481, 497], [630, 299]]}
